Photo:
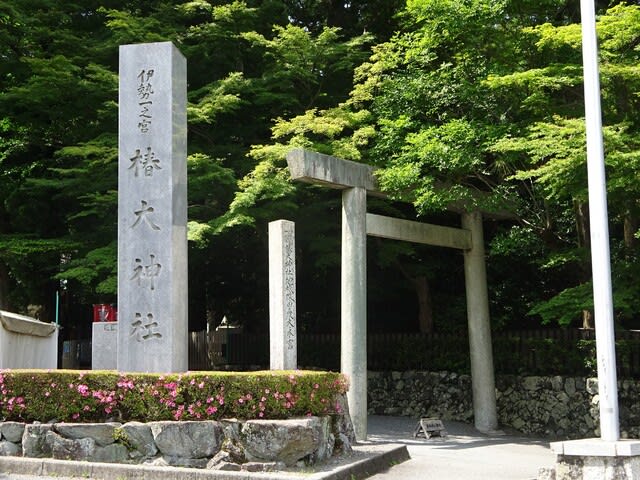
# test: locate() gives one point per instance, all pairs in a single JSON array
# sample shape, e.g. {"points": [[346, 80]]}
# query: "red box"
{"points": [[103, 312]]}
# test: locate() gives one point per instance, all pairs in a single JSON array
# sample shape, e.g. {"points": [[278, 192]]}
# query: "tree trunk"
{"points": [[587, 319], [631, 226], [4, 287], [425, 305], [582, 223], [584, 241]]}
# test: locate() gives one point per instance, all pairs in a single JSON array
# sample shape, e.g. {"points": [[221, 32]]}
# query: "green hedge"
{"points": [[77, 396]]}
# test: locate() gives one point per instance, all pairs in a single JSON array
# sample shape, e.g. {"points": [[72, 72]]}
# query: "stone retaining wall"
{"points": [[554, 407], [253, 445]]}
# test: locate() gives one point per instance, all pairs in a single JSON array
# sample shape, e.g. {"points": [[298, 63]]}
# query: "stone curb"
{"points": [[380, 458]]}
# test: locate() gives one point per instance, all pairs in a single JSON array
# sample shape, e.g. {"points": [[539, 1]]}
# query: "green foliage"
{"points": [[97, 269], [64, 395], [461, 105], [478, 105], [566, 306], [249, 63]]}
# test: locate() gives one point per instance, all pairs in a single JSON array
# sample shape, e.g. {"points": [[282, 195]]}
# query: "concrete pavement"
{"points": [[464, 454]]}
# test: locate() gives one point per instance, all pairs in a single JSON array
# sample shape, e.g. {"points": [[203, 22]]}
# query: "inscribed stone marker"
{"points": [[152, 209], [282, 296]]}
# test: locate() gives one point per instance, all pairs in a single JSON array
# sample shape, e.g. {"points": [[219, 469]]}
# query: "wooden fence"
{"points": [[532, 352]]}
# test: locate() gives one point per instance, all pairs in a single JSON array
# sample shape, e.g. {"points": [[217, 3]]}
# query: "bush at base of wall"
{"points": [[76, 396]]}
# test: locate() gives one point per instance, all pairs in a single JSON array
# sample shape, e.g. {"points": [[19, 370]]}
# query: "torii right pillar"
{"points": [[482, 375]]}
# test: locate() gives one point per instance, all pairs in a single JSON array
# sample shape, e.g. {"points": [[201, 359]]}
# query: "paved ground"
{"points": [[464, 454]]}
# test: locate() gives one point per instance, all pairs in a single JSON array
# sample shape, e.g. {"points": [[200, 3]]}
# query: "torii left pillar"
{"points": [[353, 304], [355, 180]]}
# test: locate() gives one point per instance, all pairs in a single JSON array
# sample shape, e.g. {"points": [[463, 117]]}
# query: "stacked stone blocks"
{"points": [[221, 445], [554, 407]]}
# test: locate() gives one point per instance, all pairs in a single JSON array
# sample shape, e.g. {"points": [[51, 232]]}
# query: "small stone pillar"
{"points": [[282, 296], [104, 346]]}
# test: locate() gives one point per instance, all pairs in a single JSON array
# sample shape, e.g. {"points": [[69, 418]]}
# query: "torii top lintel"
{"points": [[333, 172], [312, 167]]}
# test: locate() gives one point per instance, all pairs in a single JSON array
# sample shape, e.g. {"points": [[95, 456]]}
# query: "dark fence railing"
{"points": [[531, 352]]}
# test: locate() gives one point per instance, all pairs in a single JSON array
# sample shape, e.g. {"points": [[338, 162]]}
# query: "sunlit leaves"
{"points": [[218, 98]]}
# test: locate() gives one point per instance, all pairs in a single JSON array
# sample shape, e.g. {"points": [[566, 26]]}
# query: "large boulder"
{"points": [[67, 449], [12, 431], [190, 439], [286, 441], [138, 437], [342, 423], [114, 453], [34, 443], [101, 433], [9, 449]]}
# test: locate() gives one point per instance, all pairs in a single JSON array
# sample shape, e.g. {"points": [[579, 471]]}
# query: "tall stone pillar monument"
{"points": [[283, 345], [152, 209]]}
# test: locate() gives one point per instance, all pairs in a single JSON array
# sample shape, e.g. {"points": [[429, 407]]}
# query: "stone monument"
{"points": [[152, 209], [282, 296]]}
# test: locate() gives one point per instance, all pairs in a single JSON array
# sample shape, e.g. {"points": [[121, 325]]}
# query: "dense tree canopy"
{"points": [[480, 104], [471, 104], [249, 62]]}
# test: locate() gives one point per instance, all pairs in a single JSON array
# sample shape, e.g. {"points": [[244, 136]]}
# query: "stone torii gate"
{"points": [[356, 180]]}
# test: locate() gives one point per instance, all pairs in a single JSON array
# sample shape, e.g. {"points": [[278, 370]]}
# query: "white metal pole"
{"points": [[600, 255]]}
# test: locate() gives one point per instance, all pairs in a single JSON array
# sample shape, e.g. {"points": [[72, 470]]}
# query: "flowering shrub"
{"points": [[77, 396]]}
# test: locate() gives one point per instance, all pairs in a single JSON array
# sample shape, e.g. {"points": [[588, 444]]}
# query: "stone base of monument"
{"points": [[594, 459], [309, 447], [104, 346]]}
